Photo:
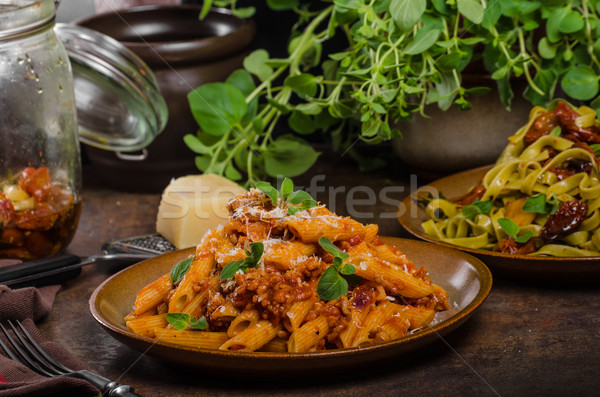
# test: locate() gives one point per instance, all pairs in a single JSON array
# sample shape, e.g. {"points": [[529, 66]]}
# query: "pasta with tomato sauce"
{"points": [[278, 280], [542, 196]]}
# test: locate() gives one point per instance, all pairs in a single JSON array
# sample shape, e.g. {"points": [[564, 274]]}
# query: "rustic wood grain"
{"points": [[525, 339]]}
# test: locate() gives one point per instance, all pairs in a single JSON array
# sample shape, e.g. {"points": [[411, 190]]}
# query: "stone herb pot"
{"points": [[455, 140], [184, 52]]}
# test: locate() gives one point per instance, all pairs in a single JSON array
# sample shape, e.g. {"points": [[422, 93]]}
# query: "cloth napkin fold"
{"points": [[29, 305]]}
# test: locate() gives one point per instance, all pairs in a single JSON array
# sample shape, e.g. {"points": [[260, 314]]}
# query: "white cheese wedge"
{"points": [[193, 204]]}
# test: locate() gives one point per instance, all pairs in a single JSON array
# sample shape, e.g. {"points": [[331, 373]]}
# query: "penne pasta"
{"points": [[275, 280]]}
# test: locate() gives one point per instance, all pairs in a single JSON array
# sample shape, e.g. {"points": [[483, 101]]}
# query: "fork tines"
{"points": [[29, 353], [23, 348]]}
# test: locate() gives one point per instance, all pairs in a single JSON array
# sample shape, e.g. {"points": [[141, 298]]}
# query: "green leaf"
{"points": [[331, 285], [301, 123], [554, 22], [423, 40], [525, 237], [287, 187], [217, 107], [280, 5], [509, 227], [406, 13], [309, 108], [179, 321], [348, 269], [546, 49], [304, 84], [536, 203], [478, 207], [580, 82], [556, 131], [242, 80], [448, 62], [231, 269], [596, 148], [328, 246], [255, 63], [298, 196], [244, 12], [199, 323], [471, 9], [179, 270], [269, 190], [232, 173], [256, 251], [304, 205], [289, 156], [195, 144], [571, 23], [492, 14]]}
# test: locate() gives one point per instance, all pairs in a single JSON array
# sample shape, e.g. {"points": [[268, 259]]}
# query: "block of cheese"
{"points": [[193, 204]]}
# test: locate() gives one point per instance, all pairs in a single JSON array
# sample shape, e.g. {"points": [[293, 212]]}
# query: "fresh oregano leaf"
{"points": [[230, 269], [348, 269], [509, 227], [179, 270], [200, 323], [331, 285], [536, 203], [477, 207], [269, 190], [512, 229], [406, 13], [217, 107], [304, 205], [328, 246], [580, 82], [179, 321]]}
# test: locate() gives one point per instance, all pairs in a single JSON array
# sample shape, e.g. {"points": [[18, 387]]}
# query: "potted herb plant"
{"points": [[400, 58]]}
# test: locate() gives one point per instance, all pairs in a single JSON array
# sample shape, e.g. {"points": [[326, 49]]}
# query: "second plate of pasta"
{"points": [[513, 266]]}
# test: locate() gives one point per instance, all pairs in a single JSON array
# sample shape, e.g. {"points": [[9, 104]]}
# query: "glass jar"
{"points": [[40, 163]]}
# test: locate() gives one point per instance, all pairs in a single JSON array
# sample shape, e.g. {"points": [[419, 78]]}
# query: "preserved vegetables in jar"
{"points": [[40, 163], [38, 217]]}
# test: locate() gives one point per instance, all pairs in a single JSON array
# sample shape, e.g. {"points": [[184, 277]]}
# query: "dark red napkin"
{"points": [[29, 305]]}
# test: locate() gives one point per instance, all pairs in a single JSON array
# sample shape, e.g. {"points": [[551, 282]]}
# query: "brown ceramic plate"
{"points": [[466, 279], [519, 267]]}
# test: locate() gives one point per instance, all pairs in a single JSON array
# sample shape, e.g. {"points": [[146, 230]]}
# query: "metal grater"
{"points": [[153, 244]]}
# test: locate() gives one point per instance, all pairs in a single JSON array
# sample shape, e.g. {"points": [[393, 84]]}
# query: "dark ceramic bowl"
{"points": [[184, 52], [466, 279]]}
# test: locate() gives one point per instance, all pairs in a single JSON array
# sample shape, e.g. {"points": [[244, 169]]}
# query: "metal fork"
{"points": [[31, 354]]}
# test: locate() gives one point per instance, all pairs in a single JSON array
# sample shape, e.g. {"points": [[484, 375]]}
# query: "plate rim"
{"points": [[407, 225], [484, 276]]}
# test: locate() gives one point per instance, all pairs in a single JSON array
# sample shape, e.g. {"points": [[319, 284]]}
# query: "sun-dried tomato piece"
{"points": [[564, 221], [477, 193]]}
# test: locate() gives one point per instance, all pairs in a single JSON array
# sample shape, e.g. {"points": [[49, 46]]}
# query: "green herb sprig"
{"points": [[252, 259], [538, 203], [286, 198], [512, 230], [333, 282], [182, 321], [401, 56], [179, 270], [476, 208]]}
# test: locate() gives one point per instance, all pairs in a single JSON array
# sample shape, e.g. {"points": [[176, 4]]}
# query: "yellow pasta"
{"points": [[541, 196], [276, 280]]}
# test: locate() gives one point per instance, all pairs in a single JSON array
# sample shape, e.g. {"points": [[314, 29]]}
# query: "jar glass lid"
{"points": [[119, 104]]}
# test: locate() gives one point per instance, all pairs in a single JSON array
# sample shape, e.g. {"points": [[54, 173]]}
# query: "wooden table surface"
{"points": [[524, 339]]}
